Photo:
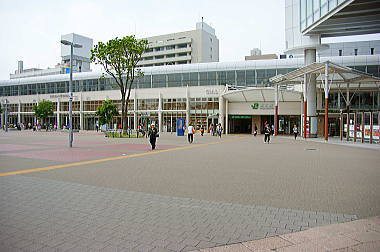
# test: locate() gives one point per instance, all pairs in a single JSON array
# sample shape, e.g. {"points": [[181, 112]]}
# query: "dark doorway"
{"points": [[240, 124]]}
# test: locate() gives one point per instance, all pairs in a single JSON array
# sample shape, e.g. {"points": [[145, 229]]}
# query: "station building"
{"points": [[238, 95], [203, 93]]}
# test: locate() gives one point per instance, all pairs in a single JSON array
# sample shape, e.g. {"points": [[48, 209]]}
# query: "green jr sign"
{"points": [[255, 106]]}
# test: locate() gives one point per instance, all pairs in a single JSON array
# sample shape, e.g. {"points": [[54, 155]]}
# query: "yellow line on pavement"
{"points": [[111, 158]]}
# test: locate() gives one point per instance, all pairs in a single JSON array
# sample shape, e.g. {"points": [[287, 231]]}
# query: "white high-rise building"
{"points": [[195, 46]]}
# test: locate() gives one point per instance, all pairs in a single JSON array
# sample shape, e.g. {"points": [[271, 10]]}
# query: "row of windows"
{"points": [[171, 47], [254, 77], [312, 10], [142, 104], [172, 55], [359, 100]]}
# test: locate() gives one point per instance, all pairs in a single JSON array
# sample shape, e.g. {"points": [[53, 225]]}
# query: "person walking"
{"points": [[267, 132], [202, 130], [295, 131], [153, 134], [255, 130], [97, 126], [210, 129], [190, 133], [219, 130]]}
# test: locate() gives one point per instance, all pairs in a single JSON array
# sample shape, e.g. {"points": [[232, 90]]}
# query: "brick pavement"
{"points": [[359, 235], [39, 214]]}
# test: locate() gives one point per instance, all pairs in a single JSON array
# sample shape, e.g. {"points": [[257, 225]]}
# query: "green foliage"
{"points": [[43, 110], [119, 58], [106, 112]]}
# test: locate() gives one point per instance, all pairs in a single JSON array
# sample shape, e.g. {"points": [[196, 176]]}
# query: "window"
{"points": [[149, 50], [159, 80], [355, 52], [340, 52], [174, 80], [171, 47], [159, 57], [182, 46], [158, 49], [372, 51], [182, 54], [170, 55]]}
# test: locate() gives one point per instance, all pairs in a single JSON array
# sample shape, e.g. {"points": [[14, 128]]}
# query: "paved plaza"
{"points": [[111, 194]]}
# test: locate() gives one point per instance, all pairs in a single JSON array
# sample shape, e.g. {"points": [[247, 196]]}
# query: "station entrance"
{"points": [[240, 124]]}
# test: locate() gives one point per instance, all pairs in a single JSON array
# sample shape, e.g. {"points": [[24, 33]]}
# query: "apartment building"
{"points": [[195, 46]]}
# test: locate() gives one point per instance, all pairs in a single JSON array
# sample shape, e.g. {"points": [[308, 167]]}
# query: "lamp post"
{"points": [[72, 45]]}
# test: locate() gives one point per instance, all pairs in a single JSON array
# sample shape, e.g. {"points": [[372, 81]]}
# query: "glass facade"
{"points": [[249, 78], [312, 10], [246, 78], [360, 100]]}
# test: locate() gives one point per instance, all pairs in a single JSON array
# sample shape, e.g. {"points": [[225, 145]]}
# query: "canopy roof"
{"points": [[336, 73], [265, 94]]}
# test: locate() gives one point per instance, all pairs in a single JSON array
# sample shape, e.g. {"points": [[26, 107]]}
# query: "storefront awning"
{"points": [[266, 94]]}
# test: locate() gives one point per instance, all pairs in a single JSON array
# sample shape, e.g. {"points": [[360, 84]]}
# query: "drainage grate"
{"points": [[310, 149]]}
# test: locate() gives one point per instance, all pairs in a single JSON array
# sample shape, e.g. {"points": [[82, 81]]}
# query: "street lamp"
{"points": [[72, 45]]}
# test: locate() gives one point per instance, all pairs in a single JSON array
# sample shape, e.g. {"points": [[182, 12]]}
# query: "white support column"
{"points": [[19, 112], [187, 107], [135, 111], [159, 113], [222, 114], [58, 114], [310, 57], [81, 124], [326, 101], [276, 110], [226, 117]]}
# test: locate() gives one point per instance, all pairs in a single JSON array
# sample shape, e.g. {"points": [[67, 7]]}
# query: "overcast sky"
{"points": [[31, 30]]}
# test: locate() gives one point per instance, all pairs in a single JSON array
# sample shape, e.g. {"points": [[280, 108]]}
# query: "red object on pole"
{"points": [[304, 118], [326, 119], [363, 119], [276, 120], [355, 123], [370, 127]]}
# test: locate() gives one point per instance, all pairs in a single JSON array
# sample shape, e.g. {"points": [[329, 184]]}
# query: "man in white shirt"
{"points": [[190, 133]]}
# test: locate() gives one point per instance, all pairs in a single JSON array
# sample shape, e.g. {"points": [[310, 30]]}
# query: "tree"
{"points": [[119, 58], [43, 110], [106, 112]]}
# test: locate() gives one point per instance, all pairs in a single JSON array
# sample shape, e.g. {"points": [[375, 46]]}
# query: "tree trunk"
{"points": [[125, 125], [123, 114]]}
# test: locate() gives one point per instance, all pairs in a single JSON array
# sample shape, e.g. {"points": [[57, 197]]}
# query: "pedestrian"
{"points": [[202, 130], [153, 134], [295, 131], [272, 130], [219, 130], [190, 133], [97, 126], [214, 129], [267, 132], [255, 130], [210, 129]]}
